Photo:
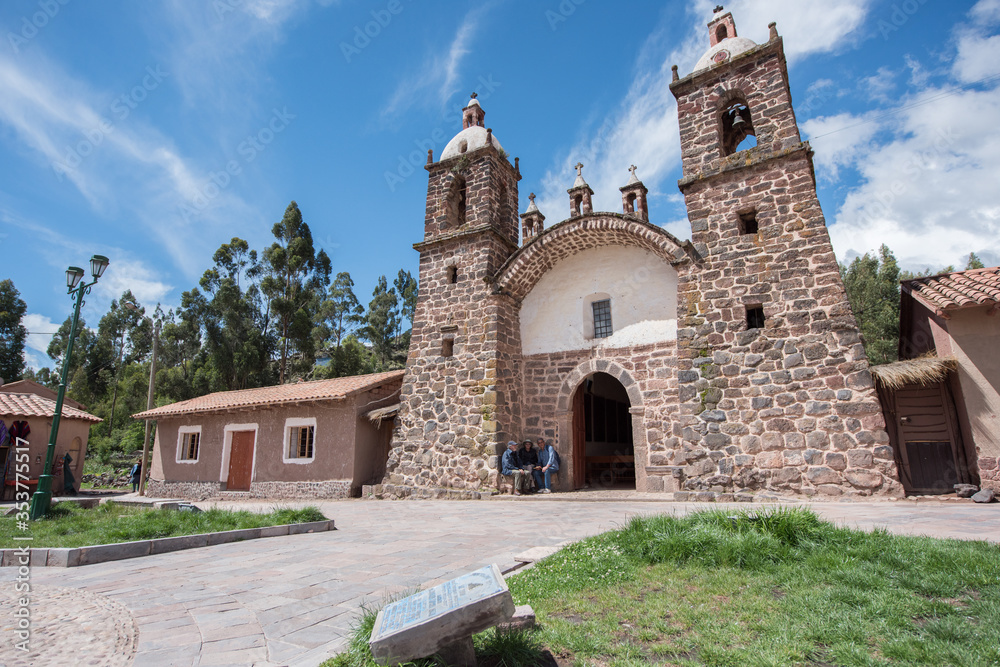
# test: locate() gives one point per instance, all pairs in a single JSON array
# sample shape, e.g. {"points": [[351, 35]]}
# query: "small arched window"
{"points": [[631, 203], [738, 133], [457, 201], [721, 33]]}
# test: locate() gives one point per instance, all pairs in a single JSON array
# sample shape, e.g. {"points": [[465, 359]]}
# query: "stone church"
{"points": [[723, 367]]}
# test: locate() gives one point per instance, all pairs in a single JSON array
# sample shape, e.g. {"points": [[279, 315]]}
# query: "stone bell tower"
{"points": [[459, 396], [773, 379]]}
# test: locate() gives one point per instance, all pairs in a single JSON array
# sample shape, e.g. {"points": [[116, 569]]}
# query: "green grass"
{"points": [[67, 525], [494, 648], [776, 587]]}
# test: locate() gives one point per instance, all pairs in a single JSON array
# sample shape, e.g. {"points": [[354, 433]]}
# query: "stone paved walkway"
{"points": [[291, 600]]}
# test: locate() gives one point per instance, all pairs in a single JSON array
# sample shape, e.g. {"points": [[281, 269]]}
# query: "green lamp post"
{"points": [[42, 498]]}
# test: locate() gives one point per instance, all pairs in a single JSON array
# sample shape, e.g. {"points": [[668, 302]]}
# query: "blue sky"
{"points": [[154, 132]]}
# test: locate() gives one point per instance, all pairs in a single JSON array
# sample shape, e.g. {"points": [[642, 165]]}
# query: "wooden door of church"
{"points": [[579, 439], [241, 461]]}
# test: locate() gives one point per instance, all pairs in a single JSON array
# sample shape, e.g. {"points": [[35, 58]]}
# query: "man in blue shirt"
{"points": [[548, 460], [510, 466]]}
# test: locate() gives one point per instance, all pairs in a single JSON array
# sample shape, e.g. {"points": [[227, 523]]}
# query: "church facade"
{"points": [[724, 367]]}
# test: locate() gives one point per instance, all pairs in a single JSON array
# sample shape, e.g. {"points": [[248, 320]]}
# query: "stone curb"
{"points": [[102, 553]]}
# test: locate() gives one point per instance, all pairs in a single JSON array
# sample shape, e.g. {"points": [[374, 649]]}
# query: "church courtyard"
{"points": [[292, 600]]}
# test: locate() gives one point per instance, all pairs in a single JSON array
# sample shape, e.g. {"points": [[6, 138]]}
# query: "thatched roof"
{"points": [[923, 371], [388, 412]]}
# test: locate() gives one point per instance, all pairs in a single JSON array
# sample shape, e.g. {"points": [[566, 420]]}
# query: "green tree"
{"points": [[124, 336], [341, 312], [237, 344], [13, 333], [78, 385], [296, 274], [872, 284], [382, 323], [974, 262], [406, 287]]}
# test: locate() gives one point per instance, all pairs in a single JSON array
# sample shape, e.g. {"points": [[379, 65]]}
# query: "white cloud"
{"points": [[39, 327], [839, 141], [880, 85], [437, 75], [929, 193], [644, 131]]}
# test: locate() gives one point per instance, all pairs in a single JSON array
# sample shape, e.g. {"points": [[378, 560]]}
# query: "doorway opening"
{"points": [[603, 449]]}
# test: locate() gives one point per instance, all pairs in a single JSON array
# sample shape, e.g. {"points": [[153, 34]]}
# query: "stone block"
{"points": [[523, 619], [225, 537], [984, 496], [167, 544], [966, 490], [424, 623], [863, 479], [274, 531], [63, 558], [767, 460], [859, 458], [108, 552], [822, 475], [836, 460], [39, 557], [310, 527]]}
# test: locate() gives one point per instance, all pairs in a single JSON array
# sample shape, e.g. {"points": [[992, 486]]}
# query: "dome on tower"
{"points": [[724, 51], [469, 139], [474, 133]]}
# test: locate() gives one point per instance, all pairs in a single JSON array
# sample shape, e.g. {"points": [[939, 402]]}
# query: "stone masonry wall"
{"points": [[790, 407], [279, 490], [649, 371], [455, 410]]}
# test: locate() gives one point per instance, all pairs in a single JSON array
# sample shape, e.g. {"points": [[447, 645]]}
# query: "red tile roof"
{"points": [[320, 390], [960, 289], [32, 405]]}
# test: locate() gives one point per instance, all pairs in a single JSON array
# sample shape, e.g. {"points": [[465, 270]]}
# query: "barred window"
{"points": [[602, 318], [300, 442], [189, 446]]}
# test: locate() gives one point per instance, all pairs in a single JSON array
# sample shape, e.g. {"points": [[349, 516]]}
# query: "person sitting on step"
{"points": [[510, 466]]}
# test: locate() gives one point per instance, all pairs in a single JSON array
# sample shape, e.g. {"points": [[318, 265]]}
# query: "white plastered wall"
{"points": [[556, 315]]}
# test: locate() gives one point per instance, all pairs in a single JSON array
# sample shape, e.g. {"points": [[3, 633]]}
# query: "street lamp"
{"points": [[42, 498], [149, 400]]}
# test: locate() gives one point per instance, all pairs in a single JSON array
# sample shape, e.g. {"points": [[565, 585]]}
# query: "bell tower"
{"points": [[460, 392], [773, 380]]}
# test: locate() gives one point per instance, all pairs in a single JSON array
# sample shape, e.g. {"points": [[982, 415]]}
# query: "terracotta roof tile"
{"points": [[319, 390], [32, 405], [960, 289]]}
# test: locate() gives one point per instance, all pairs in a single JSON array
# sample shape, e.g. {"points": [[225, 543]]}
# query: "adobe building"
{"points": [[36, 412], [300, 440], [722, 367], [942, 400]]}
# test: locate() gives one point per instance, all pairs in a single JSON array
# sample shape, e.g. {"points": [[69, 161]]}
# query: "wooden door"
{"points": [[579, 439], [928, 439], [241, 461]]}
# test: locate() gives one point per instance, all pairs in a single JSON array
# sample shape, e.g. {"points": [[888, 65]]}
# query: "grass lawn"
{"points": [[775, 587], [67, 525]]}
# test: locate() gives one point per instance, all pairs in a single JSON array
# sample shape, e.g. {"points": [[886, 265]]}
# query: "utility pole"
{"points": [[149, 406]]}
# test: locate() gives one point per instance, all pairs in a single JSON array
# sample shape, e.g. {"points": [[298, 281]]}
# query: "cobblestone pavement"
{"points": [[291, 600]]}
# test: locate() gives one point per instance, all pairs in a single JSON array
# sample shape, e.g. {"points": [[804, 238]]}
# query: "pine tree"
{"points": [[406, 287], [382, 323], [872, 284], [13, 333], [974, 262], [295, 275]]}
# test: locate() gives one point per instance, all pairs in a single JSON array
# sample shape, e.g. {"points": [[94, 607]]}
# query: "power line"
{"points": [[921, 103]]}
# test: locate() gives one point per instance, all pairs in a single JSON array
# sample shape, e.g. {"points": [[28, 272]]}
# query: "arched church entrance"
{"points": [[603, 449]]}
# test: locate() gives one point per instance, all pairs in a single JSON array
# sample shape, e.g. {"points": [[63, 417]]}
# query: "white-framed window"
{"points": [[188, 444], [300, 440]]}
